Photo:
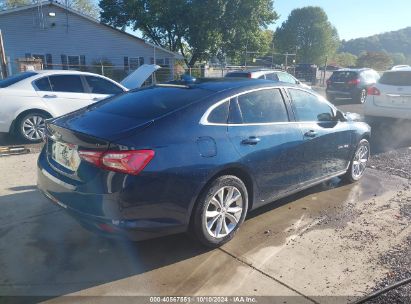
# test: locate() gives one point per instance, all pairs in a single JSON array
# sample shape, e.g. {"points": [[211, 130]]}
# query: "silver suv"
{"points": [[274, 75]]}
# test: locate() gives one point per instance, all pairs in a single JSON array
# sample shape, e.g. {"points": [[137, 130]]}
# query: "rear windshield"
{"points": [[398, 78], [151, 102], [16, 78], [237, 74], [343, 75]]}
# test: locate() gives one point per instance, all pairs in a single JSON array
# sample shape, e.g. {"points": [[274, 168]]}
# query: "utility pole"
{"points": [[272, 55], [3, 61]]}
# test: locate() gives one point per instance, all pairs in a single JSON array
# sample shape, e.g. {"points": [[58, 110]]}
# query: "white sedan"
{"points": [[390, 96], [27, 99]]}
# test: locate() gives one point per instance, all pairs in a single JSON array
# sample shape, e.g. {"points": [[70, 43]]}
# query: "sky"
{"points": [[354, 18]]}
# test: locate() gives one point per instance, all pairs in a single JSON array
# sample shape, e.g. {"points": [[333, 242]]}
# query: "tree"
{"points": [[198, 29], [398, 58], [87, 7], [8, 4], [377, 60], [308, 32], [344, 59]]}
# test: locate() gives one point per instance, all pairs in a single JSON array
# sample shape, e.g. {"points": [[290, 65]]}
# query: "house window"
{"points": [[73, 62], [160, 61], [136, 62], [167, 61]]}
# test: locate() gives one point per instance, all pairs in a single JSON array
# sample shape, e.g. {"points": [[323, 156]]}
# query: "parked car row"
{"points": [[29, 98], [386, 96]]}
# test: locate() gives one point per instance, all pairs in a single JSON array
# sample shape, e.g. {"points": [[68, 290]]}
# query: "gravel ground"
{"points": [[395, 162], [397, 260]]}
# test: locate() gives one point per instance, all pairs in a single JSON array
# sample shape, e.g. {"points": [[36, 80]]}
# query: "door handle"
{"points": [[50, 96], [97, 99], [310, 133], [252, 140]]}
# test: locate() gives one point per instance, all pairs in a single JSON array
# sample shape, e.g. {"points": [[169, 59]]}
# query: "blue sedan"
{"points": [[195, 156]]}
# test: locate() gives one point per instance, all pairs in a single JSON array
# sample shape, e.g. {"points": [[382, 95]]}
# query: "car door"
{"points": [[260, 129], [101, 88], [62, 93], [326, 140]]}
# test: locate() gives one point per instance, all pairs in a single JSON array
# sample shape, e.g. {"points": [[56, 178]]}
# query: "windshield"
{"points": [[402, 78], [16, 78], [343, 76], [151, 102]]}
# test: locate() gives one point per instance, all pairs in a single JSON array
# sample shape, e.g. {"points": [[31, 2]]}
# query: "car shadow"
{"points": [[44, 253]]}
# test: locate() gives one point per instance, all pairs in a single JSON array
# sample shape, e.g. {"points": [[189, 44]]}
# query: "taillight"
{"points": [[128, 162], [354, 81], [249, 75], [373, 91]]}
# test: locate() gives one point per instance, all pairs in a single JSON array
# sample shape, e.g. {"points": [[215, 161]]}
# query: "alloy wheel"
{"points": [[33, 127], [223, 211], [360, 161]]}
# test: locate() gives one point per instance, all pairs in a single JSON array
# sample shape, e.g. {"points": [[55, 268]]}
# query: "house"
{"points": [[66, 39]]}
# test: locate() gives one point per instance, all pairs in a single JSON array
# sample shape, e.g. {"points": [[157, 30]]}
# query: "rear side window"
{"points": [[219, 114], [272, 76], [99, 85], [16, 78], [151, 102], [66, 83], [343, 76], [43, 84], [284, 77], [397, 78], [262, 106]]}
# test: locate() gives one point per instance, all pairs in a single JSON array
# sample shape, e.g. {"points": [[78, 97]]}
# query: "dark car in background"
{"points": [[197, 157], [274, 75], [306, 71], [351, 84]]}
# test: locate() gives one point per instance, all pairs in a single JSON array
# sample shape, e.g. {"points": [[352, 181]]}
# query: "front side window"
{"points": [[309, 107], [98, 85], [263, 106], [66, 83]]}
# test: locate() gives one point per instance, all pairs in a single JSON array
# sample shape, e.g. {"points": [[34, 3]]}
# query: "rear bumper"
{"points": [[370, 109], [102, 212], [342, 94]]}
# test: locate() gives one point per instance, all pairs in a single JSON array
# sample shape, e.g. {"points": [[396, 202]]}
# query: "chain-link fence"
{"points": [[165, 73]]}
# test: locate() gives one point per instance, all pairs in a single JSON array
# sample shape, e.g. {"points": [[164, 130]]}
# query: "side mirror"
{"points": [[325, 117]]}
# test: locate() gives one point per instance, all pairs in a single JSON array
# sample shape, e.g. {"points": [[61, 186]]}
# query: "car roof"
{"points": [[223, 84], [354, 70], [53, 72], [255, 71], [400, 69]]}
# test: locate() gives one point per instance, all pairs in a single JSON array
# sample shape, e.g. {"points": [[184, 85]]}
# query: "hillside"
{"points": [[391, 42]]}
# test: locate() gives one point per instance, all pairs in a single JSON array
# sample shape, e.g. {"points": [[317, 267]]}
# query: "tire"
{"points": [[362, 96], [213, 224], [30, 127], [358, 163]]}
